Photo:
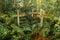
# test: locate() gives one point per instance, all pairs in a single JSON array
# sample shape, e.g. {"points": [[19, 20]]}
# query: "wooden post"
{"points": [[42, 13], [18, 18], [32, 13]]}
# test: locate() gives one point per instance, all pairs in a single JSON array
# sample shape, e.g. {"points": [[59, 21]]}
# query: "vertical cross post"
{"points": [[18, 18], [42, 13], [32, 13]]}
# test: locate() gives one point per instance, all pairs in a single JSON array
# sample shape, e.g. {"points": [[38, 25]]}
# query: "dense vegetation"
{"points": [[30, 27]]}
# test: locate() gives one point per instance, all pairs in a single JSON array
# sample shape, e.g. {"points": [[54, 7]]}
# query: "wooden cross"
{"points": [[18, 16], [32, 13]]}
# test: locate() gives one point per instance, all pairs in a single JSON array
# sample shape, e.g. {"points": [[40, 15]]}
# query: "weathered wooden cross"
{"points": [[18, 16]]}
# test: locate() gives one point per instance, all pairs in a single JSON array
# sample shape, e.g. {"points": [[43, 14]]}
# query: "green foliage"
{"points": [[3, 31], [9, 30]]}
